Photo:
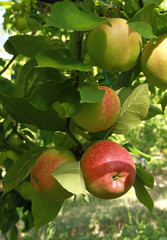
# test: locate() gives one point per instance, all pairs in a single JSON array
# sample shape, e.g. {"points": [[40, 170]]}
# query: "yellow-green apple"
{"points": [[116, 47], [42, 179], [99, 116], [154, 61], [21, 23], [26, 190], [108, 169], [14, 140]]}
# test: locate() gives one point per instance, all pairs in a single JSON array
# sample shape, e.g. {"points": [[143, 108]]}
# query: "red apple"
{"points": [[108, 169], [154, 61], [42, 179], [99, 116], [116, 47]]}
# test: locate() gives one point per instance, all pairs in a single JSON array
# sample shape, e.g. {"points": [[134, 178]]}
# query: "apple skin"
{"points": [[41, 176], [108, 169], [21, 23], [154, 62], [14, 141], [26, 190], [114, 48], [99, 116]]}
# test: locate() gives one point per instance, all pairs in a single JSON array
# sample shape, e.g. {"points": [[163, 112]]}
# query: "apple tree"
{"points": [[81, 73]]}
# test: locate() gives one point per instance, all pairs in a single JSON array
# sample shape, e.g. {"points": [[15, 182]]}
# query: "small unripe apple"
{"points": [[42, 179], [26, 190], [21, 23], [116, 47], [154, 61], [14, 141], [108, 169], [99, 116]]}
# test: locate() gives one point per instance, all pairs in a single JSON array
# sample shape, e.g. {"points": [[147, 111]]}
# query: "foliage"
{"points": [[51, 76]]}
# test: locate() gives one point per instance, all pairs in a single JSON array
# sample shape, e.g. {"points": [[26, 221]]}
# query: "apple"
{"points": [[26, 190], [41, 176], [116, 47], [14, 140], [21, 23], [108, 169], [154, 61], [99, 116]]}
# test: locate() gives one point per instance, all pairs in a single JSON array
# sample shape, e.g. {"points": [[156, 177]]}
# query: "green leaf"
{"points": [[144, 176], [27, 45], [24, 112], [125, 79], [144, 29], [25, 78], [142, 194], [163, 101], [153, 111], [69, 175], [6, 86], [21, 169], [134, 110], [44, 210], [136, 151], [66, 15], [57, 93], [60, 58], [90, 93]]}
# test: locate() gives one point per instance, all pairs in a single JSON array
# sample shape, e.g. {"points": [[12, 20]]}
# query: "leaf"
{"points": [[134, 110], [27, 45], [136, 151], [90, 93], [69, 175], [24, 112], [25, 78], [21, 169], [125, 79], [44, 210], [57, 93], [66, 15], [163, 101], [60, 58], [142, 194], [144, 176], [144, 29], [5, 85], [153, 111]]}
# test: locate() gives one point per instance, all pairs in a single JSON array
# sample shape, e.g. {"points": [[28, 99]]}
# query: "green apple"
{"points": [[14, 141], [21, 23], [99, 116], [108, 169], [26, 190], [154, 61], [116, 47], [42, 179]]}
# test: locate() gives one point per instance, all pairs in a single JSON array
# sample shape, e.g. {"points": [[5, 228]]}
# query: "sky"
{"points": [[3, 37]]}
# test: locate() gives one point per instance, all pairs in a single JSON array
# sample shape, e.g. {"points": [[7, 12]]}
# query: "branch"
{"points": [[9, 63], [67, 130]]}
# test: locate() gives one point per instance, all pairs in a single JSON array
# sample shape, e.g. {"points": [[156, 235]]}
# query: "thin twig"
{"points": [[9, 63], [67, 130]]}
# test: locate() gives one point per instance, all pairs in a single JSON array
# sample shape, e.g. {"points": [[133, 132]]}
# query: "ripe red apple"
{"points": [[108, 169], [42, 179], [116, 47], [154, 62], [99, 116]]}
